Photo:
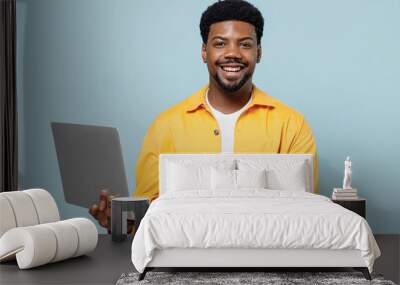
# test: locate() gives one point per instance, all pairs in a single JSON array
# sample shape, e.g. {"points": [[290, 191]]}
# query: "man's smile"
{"points": [[232, 71]]}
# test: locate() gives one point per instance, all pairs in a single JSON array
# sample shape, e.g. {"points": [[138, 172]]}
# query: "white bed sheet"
{"points": [[250, 218]]}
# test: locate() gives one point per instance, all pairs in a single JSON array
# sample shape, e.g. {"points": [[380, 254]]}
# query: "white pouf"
{"points": [[31, 233]]}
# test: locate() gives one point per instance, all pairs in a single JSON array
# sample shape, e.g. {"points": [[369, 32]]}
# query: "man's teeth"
{"points": [[231, 69]]}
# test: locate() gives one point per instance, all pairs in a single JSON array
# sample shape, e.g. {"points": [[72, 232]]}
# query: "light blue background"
{"points": [[120, 63]]}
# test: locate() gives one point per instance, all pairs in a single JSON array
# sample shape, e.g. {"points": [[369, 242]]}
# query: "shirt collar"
{"points": [[259, 98]]}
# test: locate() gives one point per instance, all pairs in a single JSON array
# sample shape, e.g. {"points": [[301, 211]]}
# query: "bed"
{"points": [[247, 210]]}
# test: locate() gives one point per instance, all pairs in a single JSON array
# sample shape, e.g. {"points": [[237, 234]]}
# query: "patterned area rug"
{"points": [[270, 278]]}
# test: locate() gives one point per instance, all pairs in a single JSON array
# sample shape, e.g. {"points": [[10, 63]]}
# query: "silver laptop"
{"points": [[90, 160]]}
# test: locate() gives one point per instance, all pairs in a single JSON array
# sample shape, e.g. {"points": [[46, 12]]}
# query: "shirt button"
{"points": [[216, 132]]}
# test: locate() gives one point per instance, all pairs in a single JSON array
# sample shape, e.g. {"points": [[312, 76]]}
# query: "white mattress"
{"points": [[251, 219]]}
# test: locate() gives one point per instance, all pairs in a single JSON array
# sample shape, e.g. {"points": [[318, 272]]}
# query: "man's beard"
{"points": [[231, 87]]}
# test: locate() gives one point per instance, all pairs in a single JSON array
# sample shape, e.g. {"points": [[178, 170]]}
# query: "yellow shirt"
{"points": [[265, 126]]}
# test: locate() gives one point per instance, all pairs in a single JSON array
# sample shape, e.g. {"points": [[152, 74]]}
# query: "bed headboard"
{"points": [[214, 157]]}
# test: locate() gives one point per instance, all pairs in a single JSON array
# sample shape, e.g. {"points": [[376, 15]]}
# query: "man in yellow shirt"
{"points": [[230, 113]]}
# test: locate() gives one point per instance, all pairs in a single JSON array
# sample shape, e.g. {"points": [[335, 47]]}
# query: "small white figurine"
{"points": [[347, 174]]}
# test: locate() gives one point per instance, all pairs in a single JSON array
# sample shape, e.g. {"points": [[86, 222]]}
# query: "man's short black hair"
{"points": [[231, 10]]}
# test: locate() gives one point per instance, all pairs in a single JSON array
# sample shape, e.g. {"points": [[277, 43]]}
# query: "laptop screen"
{"points": [[90, 160]]}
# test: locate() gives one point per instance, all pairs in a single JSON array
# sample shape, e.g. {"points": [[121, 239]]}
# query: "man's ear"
{"points": [[204, 52], [259, 53]]}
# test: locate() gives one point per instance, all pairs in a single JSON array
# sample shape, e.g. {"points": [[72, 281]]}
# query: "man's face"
{"points": [[231, 54]]}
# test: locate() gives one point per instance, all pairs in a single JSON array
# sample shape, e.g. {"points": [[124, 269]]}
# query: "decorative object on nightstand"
{"points": [[347, 196], [119, 215], [347, 174], [358, 205], [344, 194], [347, 192]]}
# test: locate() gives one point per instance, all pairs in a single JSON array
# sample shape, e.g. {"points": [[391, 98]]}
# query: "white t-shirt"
{"points": [[226, 123]]}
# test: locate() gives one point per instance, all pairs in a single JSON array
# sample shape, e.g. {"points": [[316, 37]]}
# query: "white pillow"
{"points": [[288, 179], [281, 174], [236, 179], [188, 174], [223, 179], [182, 177], [251, 178]]}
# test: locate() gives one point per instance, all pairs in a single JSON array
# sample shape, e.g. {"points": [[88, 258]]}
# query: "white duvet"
{"points": [[251, 218]]}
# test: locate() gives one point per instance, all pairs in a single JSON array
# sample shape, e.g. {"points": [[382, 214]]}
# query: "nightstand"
{"points": [[358, 206]]}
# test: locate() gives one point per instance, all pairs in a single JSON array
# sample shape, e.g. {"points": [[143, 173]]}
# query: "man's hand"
{"points": [[102, 212]]}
